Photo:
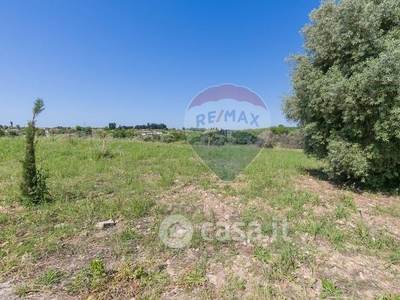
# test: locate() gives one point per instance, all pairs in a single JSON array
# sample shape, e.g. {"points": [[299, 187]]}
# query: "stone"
{"points": [[105, 224]]}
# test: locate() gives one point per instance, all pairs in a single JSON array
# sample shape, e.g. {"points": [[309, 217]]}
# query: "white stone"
{"points": [[105, 224]]}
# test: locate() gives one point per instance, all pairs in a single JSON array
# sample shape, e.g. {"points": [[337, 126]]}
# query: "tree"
{"points": [[33, 185], [87, 130], [112, 126], [280, 129], [40, 132], [346, 89], [213, 138], [119, 134], [243, 137]]}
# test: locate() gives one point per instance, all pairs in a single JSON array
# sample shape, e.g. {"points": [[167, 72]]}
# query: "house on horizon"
{"points": [[148, 132]]}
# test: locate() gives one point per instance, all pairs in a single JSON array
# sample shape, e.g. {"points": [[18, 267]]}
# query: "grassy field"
{"points": [[227, 161], [319, 241]]}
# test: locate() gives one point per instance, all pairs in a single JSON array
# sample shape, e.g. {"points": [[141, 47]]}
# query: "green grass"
{"points": [[50, 277], [329, 290], [195, 275], [227, 161], [138, 184]]}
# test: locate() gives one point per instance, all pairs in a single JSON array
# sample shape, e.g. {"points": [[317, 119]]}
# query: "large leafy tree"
{"points": [[346, 89]]}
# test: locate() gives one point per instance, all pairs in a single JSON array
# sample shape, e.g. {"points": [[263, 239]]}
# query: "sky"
{"points": [[136, 62]]}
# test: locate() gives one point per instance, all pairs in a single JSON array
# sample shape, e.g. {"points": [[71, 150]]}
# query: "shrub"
{"points": [[168, 138], [293, 140], [280, 129], [193, 138], [213, 139], [171, 137], [266, 139], [33, 185], [12, 133], [346, 161], [119, 133], [40, 132], [244, 138]]}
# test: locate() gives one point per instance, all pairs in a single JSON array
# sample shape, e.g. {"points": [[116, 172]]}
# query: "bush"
{"points": [[243, 138], [168, 138], [347, 161], [293, 140], [266, 139], [12, 133], [119, 134], [171, 137], [130, 133], [213, 139], [280, 129], [40, 132], [33, 185], [194, 138]]}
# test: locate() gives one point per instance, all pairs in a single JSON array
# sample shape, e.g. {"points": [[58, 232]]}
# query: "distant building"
{"points": [[145, 132]]}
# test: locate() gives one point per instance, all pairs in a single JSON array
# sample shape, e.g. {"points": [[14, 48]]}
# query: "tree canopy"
{"points": [[346, 89]]}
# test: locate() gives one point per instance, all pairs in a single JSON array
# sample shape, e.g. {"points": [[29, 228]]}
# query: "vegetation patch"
{"points": [[318, 240]]}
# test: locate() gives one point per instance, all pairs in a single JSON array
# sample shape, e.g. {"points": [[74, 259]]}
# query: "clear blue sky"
{"points": [[133, 62]]}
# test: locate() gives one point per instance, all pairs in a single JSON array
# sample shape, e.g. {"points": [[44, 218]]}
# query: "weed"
{"points": [[318, 226], [326, 227], [262, 254], [23, 290], [139, 272], [195, 275], [348, 202], [336, 236], [193, 278], [389, 297], [129, 235], [341, 212], [102, 153], [4, 219], [91, 277], [282, 258], [362, 231], [98, 268], [81, 281], [329, 289], [140, 207], [394, 257], [392, 210], [125, 273], [50, 277], [237, 283], [288, 255]]}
